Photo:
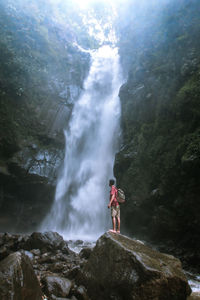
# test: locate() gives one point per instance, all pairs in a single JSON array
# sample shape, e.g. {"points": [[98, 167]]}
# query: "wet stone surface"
{"points": [[54, 271], [53, 264]]}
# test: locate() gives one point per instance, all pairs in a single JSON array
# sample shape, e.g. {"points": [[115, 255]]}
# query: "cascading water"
{"points": [[80, 205]]}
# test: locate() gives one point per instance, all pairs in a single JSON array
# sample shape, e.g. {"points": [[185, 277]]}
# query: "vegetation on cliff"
{"points": [[42, 70], [159, 162], [38, 61]]}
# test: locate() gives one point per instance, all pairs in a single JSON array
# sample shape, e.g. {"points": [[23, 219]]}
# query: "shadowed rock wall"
{"points": [[158, 164], [41, 75]]}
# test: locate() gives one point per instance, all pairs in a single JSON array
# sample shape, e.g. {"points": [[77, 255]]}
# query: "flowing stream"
{"points": [[80, 205]]}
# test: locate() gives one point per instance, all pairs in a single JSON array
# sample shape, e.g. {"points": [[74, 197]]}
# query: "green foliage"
{"points": [[38, 60], [191, 146], [158, 166]]}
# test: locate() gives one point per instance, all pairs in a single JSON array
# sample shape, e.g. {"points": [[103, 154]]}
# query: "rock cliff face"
{"points": [[41, 75], [158, 164]]}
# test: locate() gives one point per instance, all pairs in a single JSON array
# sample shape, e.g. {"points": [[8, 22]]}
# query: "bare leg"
{"points": [[114, 223], [118, 225]]}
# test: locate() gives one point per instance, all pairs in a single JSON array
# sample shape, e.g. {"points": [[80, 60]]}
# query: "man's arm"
{"points": [[111, 200]]}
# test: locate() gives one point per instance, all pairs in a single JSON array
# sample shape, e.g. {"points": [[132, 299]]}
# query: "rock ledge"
{"points": [[122, 268]]}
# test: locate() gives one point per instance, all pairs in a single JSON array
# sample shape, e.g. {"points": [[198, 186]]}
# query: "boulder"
{"points": [[36, 252], [56, 285], [47, 241], [17, 279], [85, 253], [57, 267], [125, 269], [3, 252], [78, 242], [194, 296], [72, 272], [81, 293], [8, 244], [59, 298]]}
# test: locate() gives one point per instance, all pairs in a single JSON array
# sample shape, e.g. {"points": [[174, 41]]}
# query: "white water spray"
{"points": [[82, 193]]}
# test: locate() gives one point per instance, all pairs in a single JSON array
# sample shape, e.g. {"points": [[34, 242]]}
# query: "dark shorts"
{"points": [[115, 211]]}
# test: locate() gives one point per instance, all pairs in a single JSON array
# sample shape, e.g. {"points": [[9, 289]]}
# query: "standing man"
{"points": [[115, 208]]}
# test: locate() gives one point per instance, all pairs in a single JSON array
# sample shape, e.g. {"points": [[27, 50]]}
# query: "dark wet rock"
{"points": [[85, 253], [36, 252], [78, 245], [47, 241], [4, 252], [63, 257], [81, 293], [59, 298], [29, 254], [17, 278], [78, 242], [9, 243], [56, 285], [57, 267], [46, 259], [194, 296], [60, 263], [72, 273], [121, 266], [74, 298]]}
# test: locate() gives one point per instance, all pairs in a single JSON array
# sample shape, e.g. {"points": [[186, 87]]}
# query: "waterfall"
{"points": [[82, 192]]}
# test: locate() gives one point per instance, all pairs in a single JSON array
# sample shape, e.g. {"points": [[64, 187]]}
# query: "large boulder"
{"points": [[125, 269], [56, 285], [47, 241], [17, 279], [194, 296]]}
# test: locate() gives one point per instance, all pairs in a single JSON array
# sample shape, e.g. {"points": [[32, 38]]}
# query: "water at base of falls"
{"points": [[82, 193]]}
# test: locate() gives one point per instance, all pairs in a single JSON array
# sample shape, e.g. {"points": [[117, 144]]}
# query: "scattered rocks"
{"points": [[57, 267], [46, 258], [117, 267], [50, 259], [8, 244]]}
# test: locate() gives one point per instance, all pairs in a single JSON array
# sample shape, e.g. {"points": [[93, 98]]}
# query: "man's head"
{"points": [[111, 182]]}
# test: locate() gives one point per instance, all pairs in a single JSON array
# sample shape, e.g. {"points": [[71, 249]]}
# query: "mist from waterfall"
{"points": [[92, 138]]}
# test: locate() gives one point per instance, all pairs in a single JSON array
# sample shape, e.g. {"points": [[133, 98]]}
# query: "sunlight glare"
{"points": [[84, 4]]}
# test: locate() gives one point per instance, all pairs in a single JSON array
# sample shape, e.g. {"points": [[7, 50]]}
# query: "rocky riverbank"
{"points": [[43, 265]]}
